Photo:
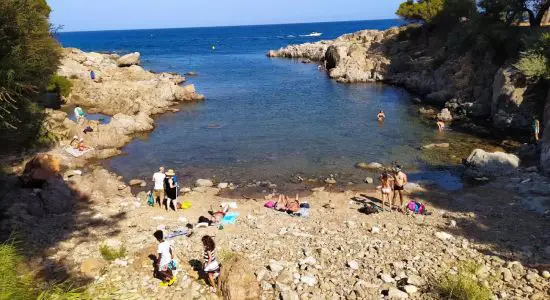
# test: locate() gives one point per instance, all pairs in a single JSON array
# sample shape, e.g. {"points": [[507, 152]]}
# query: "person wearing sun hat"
{"points": [[171, 189]]}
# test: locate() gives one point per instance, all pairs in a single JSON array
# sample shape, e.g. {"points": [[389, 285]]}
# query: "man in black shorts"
{"points": [[400, 179]]}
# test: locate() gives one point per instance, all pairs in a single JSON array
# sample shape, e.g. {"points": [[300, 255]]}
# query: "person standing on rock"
{"points": [[158, 189], [162, 262], [400, 179], [171, 189], [79, 114]]}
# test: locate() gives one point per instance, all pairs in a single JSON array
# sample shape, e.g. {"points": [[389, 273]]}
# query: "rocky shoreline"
{"points": [[337, 253], [471, 90]]}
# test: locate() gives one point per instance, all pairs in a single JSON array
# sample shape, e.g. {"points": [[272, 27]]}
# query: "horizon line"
{"points": [[223, 26]]}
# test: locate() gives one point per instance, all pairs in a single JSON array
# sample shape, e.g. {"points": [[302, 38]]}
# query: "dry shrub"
{"points": [[237, 281]]}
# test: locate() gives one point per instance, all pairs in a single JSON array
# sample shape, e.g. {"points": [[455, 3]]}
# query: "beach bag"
{"points": [[172, 265], [150, 200], [269, 204], [186, 204], [416, 207]]}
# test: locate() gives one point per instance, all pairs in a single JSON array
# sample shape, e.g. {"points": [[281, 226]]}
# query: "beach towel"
{"points": [[177, 233], [230, 218], [76, 153]]}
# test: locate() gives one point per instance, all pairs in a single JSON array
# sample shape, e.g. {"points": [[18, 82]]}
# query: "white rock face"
{"points": [[129, 60], [487, 163]]}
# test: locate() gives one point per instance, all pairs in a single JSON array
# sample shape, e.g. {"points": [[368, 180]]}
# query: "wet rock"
{"points": [[369, 166], [135, 182], [223, 185], [204, 183], [432, 146], [488, 164]]}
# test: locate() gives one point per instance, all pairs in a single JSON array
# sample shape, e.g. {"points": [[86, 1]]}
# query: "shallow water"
{"points": [[267, 119]]}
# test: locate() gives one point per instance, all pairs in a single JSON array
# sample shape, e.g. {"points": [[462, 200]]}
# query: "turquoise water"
{"points": [[264, 119]]}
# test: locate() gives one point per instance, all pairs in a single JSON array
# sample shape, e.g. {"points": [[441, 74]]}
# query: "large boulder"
{"points": [[129, 60], [483, 163], [39, 169], [92, 267], [237, 280]]}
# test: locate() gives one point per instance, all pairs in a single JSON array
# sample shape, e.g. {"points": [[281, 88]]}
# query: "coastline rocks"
{"points": [[204, 183], [127, 90], [445, 115], [482, 163], [129, 60], [139, 182]]}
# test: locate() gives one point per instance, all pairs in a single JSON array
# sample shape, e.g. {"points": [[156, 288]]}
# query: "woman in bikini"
{"points": [[386, 183]]}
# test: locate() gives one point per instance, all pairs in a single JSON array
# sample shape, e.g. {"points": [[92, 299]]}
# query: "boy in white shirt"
{"points": [[162, 263]]}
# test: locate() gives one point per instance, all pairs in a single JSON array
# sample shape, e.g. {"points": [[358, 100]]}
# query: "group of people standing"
{"points": [[165, 190]]}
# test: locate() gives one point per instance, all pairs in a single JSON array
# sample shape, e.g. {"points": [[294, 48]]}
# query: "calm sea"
{"points": [[264, 119]]}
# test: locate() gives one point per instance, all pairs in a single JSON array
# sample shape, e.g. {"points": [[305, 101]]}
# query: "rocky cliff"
{"points": [[471, 85], [121, 89]]}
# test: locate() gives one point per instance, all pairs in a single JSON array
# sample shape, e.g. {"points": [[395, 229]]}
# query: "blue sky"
{"points": [[78, 15]]}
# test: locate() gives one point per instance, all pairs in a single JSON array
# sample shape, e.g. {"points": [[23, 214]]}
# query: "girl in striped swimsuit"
{"points": [[210, 263]]}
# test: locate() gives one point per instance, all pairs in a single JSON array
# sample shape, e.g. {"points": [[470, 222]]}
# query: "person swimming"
{"points": [[381, 116]]}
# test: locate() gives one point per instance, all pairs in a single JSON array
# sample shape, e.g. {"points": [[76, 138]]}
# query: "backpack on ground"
{"points": [[150, 200], [416, 207]]}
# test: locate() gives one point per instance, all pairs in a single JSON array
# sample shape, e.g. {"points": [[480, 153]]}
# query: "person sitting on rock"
{"points": [[81, 145], [210, 263], [162, 262]]}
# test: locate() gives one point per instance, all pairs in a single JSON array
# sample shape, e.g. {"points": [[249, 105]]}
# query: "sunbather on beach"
{"points": [[281, 203], [293, 206]]}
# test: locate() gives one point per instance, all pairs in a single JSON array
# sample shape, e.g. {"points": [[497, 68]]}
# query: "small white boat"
{"points": [[313, 34]]}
